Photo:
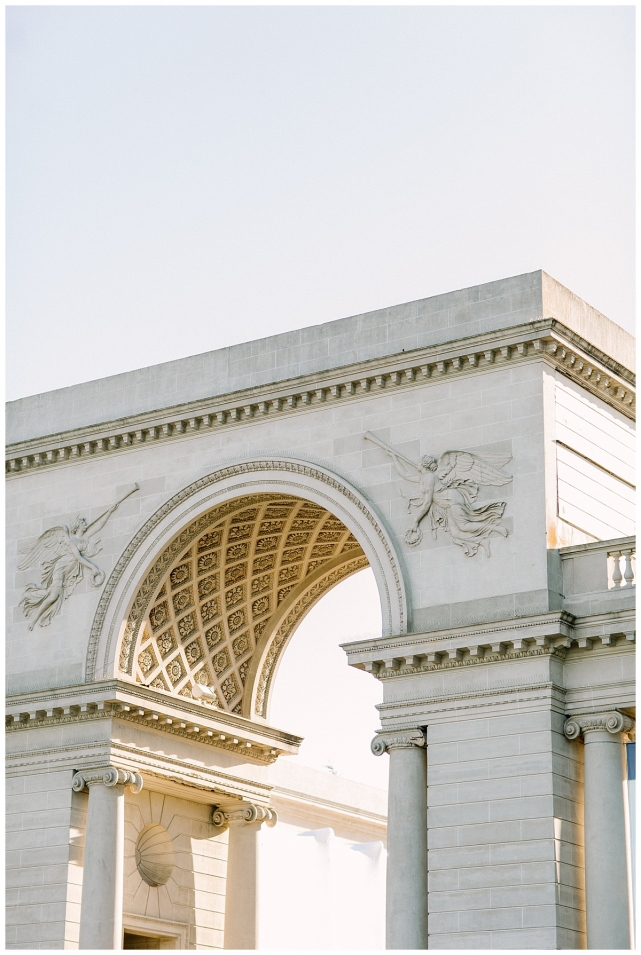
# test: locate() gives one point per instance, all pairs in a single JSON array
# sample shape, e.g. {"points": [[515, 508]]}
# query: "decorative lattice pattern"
{"points": [[217, 598]]}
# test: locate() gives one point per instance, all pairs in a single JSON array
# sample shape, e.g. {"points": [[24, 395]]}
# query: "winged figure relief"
{"points": [[63, 553], [447, 492]]}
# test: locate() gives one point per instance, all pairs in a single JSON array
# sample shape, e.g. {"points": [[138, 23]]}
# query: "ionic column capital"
{"points": [[244, 816], [585, 724], [107, 775], [402, 739]]}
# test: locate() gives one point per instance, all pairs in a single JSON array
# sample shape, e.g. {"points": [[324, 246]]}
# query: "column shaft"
{"points": [[102, 882], [241, 894], [406, 907], [606, 869]]}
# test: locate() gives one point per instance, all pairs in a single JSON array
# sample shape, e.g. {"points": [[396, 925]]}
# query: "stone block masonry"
{"points": [[167, 530]]}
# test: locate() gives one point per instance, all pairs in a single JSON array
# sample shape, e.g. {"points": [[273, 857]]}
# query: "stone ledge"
{"points": [[118, 700], [553, 633], [543, 339]]}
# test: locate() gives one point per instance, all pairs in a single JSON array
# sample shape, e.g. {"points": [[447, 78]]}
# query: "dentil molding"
{"points": [[544, 338]]}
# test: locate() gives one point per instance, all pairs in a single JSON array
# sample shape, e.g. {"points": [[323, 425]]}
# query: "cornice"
{"points": [[118, 700], [386, 673], [553, 633], [407, 651], [543, 339], [612, 629]]}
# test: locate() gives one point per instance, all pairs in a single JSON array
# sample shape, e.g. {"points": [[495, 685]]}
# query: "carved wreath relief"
{"points": [[63, 554], [448, 489]]}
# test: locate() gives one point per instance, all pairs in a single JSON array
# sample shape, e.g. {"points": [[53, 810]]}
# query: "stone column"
{"points": [[242, 889], [406, 906], [102, 881], [607, 887]]}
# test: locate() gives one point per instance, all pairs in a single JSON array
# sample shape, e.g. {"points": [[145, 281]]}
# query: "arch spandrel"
{"points": [[218, 501]]}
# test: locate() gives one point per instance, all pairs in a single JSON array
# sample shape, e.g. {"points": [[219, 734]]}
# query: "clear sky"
{"points": [[317, 696], [184, 178]]}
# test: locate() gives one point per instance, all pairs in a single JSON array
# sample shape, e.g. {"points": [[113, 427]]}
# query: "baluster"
{"points": [[628, 573], [617, 576]]}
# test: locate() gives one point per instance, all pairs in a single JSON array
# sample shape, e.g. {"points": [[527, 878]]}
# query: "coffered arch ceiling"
{"points": [[219, 608]]}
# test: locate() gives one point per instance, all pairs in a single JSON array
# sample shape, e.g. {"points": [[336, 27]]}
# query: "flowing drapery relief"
{"points": [[447, 491], [63, 553]]}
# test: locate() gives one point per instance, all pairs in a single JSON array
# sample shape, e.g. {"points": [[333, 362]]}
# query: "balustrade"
{"points": [[621, 568]]}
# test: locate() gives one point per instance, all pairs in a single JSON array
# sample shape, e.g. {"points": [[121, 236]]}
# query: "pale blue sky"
{"points": [[184, 178]]}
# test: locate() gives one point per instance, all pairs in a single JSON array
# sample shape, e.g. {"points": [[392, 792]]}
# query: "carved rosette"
{"points": [[585, 724], [108, 776], [247, 815], [386, 742]]}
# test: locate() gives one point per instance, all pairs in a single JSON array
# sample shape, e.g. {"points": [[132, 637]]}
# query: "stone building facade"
{"points": [[169, 528]]}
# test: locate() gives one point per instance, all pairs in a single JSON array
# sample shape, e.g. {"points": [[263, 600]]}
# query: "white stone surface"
{"points": [[493, 654], [595, 467], [406, 925], [387, 331], [499, 410], [323, 865], [505, 834], [195, 893], [44, 846]]}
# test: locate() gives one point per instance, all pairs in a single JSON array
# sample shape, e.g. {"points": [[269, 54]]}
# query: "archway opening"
{"points": [[330, 856], [216, 610], [317, 696]]}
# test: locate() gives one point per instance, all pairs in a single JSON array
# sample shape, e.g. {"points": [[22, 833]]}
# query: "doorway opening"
{"points": [[134, 940]]}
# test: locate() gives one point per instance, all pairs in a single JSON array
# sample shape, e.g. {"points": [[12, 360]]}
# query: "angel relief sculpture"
{"points": [[448, 489], [63, 554]]}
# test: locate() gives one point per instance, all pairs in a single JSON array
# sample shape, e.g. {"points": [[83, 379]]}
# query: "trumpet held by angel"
{"points": [[447, 490], [63, 553]]}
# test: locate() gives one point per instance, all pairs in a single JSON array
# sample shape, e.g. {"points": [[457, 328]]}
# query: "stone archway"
{"points": [[225, 605], [214, 584]]}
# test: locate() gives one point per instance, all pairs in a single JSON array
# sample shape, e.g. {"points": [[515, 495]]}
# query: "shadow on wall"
{"points": [[175, 863]]}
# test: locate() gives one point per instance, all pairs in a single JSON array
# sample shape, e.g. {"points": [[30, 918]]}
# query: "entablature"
{"points": [[551, 633], [118, 700], [160, 772], [542, 339]]}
